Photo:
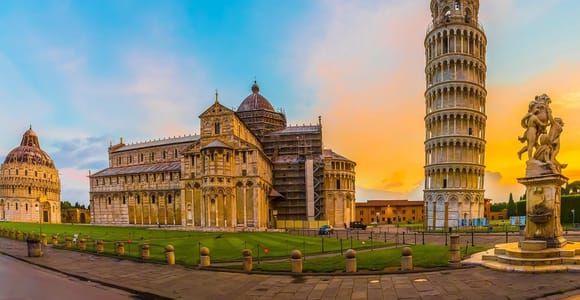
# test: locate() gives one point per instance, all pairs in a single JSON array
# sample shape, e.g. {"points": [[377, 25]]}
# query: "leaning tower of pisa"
{"points": [[455, 115]]}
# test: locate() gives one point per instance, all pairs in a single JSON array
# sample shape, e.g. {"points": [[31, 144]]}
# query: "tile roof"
{"points": [[328, 153], [374, 203], [298, 129], [140, 169], [160, 142]]}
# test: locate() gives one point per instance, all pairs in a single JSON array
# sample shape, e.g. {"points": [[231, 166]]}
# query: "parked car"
{"points": [[325, 230], [358, 225]]}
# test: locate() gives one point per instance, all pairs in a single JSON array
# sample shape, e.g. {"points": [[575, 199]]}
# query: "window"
{"points": [[35, 174], [457, 5], [26, 206], [169, 200], [164, 154], [444, 184], [217, 128], [119, 161], [16, 205], [152, 156], [162, 176], [124, 200], [130, 159], [25, 172], [138, 199], [338, 184], [470, 131], [175, 153], [244, 158], [109, 200], [29, 190], [227, 157], [141, 157]]}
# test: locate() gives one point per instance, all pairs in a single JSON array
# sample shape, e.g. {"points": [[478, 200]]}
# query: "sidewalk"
{"points": [[182, 283]]}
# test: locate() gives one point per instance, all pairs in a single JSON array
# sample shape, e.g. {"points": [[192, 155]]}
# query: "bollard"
{"points": [[406, 259], [55, 240], [99, 247], [145, 253], [120, 249], [34, 246], [204, 259], [68, 242], [350, 261], [247, 263], [297, 262], [82, 244], [454, 253], [170, 254], [43, 240]]}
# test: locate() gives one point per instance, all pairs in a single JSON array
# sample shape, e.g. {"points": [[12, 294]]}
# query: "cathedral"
{"points": [[29, 184], [455, 96], [245, 170]]}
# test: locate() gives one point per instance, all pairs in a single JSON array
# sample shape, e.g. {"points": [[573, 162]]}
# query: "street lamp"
{"points": [[39, 216], [573, 211]]}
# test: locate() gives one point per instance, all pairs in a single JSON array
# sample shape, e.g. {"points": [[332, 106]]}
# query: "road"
{"points": [[20, 280]]}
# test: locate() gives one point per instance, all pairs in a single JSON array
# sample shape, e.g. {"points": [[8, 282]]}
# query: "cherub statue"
{"points": [[535, 122]]}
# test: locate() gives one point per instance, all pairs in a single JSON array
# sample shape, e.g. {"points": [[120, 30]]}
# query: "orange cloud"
{"points": [[367, 72]]}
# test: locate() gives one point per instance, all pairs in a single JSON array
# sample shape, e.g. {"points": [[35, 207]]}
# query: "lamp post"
{"points": [[378, 215], [573, 211]]}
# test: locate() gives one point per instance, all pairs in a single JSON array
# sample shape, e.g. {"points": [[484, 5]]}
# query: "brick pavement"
{"points": [[183, 283]]}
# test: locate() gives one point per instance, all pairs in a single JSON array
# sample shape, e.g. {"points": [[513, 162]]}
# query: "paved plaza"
{"points": [[178, 282]]}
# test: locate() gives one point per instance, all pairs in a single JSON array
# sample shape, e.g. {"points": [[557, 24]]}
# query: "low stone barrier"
{"points": [[204, 259], [82, 244], [99, 246], [44, 240], [145, 252], [170, 254], [247, 262], [297, 262], [406, 259], [454, 250], [120, 249], [350, 261], [68, 242]]}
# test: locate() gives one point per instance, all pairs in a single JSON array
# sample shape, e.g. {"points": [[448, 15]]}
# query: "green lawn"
{"points": [[223, 246], [424, 256]]}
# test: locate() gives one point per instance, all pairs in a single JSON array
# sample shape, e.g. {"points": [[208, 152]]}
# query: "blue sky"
{"points": [[87, 72]]}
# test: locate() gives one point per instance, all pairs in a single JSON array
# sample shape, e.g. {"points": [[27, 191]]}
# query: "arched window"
{"points": [[124, 200], [217, 128], [468, 15], [175, 153], [153, 199], [138, 199], [109, 200], [26, 206], [169, 199], [164, 154], [457, 5], [29, 190]]}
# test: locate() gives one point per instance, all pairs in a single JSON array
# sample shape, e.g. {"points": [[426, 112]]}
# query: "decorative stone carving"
{"points": [[542, 145]]}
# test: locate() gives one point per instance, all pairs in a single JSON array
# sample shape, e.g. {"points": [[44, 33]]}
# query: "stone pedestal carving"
{"points": [[543, 194]]}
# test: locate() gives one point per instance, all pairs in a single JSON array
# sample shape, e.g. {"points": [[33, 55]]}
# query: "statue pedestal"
{"points": [[543, 209]]}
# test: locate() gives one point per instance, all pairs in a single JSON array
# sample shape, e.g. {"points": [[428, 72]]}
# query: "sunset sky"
{"points": [[84, 73]]}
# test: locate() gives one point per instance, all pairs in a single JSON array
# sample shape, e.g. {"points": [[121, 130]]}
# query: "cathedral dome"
{"points": [[255, 101], [29, 152]]}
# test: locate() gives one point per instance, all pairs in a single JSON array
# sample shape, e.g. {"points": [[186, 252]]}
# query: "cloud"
{"points": [[80, 153], [364, 63]]}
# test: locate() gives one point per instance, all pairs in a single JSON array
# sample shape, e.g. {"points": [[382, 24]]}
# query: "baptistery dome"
{"points": [[29, 184], [29, 151]]}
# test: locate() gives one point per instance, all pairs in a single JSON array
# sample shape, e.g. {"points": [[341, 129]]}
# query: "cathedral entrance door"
{"points": [[45, 216]]}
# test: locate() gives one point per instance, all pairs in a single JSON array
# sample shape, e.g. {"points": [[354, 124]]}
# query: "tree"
{"points": [[65, 204], [511, 206]]}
